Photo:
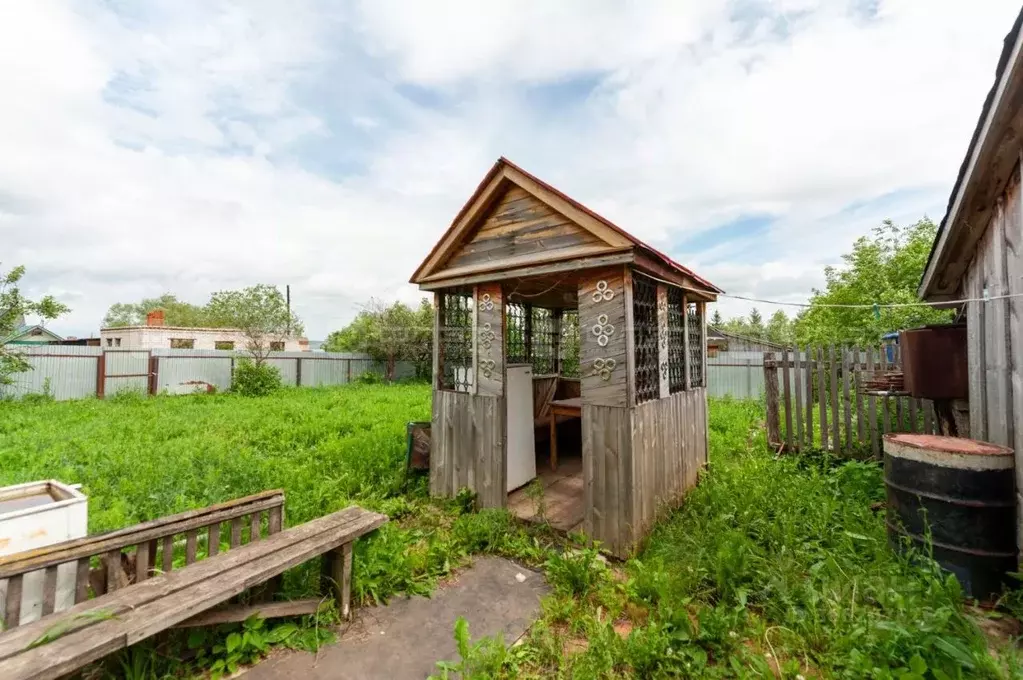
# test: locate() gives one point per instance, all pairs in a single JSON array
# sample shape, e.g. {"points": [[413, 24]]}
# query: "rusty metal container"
{"points": [[934, 362], [955, 497]]}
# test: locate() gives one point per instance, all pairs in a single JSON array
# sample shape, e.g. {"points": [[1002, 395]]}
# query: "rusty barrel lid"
{"points": [[950, 452]]}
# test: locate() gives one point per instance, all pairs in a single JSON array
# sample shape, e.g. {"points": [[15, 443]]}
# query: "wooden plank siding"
{"points": [[668, 450], [520, 225], [610, 388], [467, 446]]}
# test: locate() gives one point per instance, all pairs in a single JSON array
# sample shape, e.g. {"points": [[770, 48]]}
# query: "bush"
{"points": [[254, 380], [369, 378]]}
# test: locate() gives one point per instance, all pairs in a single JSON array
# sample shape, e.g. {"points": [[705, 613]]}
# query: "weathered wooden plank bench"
{"points": [[129, 555], [62, 642]]}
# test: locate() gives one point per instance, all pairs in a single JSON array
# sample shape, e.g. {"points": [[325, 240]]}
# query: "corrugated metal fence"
{"points": [[736, 373], [70, 372]]}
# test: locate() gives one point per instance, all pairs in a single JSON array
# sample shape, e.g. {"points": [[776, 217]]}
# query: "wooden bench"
{"points": [[129, 555], [63, 642]]}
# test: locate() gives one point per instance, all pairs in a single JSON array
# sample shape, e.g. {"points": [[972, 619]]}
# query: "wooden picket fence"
{"points": [[817, 400]]}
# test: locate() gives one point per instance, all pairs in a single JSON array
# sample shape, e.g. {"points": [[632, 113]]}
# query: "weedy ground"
{"points": [[773, 567]]}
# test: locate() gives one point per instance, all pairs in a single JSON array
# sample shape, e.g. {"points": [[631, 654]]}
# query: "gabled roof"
{"points": [[979, 166], [616, 238], [26, 329]]}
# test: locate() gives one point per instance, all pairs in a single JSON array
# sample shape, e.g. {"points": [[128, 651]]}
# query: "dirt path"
{"points": [[405, 639]]}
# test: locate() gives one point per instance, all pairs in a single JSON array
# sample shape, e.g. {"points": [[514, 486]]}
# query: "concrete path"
{"points": [[405, 639]]}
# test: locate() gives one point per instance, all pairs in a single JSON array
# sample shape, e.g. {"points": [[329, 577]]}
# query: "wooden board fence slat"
{"points": [[49, 590], [836, 442], [787, 391], [872, 410], [846, 401], [928, 408], [797, 358], [808, 379], [861, 425], [822, 398], [82, 581], [12, 606], [771, 394], [913, 401]]}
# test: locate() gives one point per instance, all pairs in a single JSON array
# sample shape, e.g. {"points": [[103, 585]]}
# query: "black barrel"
{"points": [[963, 492]]}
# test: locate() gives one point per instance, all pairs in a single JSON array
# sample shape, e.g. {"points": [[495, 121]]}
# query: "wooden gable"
{"points": [[520, 227]]}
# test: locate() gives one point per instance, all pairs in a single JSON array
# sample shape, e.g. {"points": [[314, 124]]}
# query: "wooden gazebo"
{"points": [[613, 330]]}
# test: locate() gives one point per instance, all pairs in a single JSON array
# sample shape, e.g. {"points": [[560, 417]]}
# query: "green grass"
{"points": [[772, 566]]}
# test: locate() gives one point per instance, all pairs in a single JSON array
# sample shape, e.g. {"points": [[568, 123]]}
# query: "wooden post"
{"points": [[298, 371], [436, 344], [787, 391], [101, 374], [154, 374], [798, 389], [662, 340], [337, 577], [846, 401], [686, 354], [858, 386], [822, 398], [808, 379], [701, 312], [836, 442], [771, 392]]}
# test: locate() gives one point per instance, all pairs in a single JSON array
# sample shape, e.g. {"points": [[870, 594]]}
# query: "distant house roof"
{"points": [[986, 164], [28, 330]]}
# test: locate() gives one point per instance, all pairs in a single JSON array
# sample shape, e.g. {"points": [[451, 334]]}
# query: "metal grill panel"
{"points": [[696, 346], [644, 315], [455, 342], [516, 334], [570, 343], [543, 331], [676, 341]]}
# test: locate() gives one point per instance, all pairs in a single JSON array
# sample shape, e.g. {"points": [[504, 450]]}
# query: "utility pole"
{"points": [[287, 297]]}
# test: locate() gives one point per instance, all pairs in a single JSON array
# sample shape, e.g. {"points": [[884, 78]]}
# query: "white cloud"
{"points": [[169, 150]]}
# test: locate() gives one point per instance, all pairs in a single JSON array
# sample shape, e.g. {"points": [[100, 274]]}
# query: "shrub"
{"points": [[255, 380], [576, 572], [369, 378]]}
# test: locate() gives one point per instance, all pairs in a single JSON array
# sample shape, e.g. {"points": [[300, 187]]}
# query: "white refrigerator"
{"points": [[521, 444]]}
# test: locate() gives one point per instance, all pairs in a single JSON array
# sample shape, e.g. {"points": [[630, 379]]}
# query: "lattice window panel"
{"points": [[455, 342], [516, 333], [543, 330], [570, 343], [696, 346], [644, 316], [676, 341]]}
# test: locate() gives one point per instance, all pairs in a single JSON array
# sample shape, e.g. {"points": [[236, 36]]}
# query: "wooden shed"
{"points": [[978, 256], [613, 334]]}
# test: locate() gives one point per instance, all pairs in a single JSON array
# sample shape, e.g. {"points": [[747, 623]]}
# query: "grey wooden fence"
{"points": [[71, 372], [817, 399]]}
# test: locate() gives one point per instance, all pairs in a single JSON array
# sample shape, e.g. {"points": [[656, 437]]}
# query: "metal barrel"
{"points": [[959, 494]]}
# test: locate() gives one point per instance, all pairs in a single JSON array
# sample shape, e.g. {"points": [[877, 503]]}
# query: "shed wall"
{"points": [[995, 331], [467, 447]]}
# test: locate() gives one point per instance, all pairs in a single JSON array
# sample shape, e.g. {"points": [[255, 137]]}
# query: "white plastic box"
{"points": [[35, 515]]}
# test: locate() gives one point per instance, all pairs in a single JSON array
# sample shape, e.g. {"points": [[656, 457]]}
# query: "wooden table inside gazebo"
{"points": [[572, 408]]}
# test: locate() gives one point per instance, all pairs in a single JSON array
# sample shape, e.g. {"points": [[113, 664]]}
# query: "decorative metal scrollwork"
{"points": [[603, 292], [664, 370], [603, 330], [486, 304], [604, 367]]}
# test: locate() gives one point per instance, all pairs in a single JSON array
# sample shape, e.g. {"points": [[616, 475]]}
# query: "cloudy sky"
{"points": [[193, 146]]}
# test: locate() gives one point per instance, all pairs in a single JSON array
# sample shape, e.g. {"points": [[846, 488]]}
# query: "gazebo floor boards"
{"points": [[563, 495]]}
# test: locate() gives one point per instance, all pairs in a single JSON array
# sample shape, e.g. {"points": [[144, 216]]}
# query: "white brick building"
{"points": [[154, 335]]}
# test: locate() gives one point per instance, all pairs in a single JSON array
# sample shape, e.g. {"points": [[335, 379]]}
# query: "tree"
{"points": [[884, 268], [260, 312], [176, 313], [715, 320], [779, 329], [390, 334], [14, 307], [755, 325]]}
